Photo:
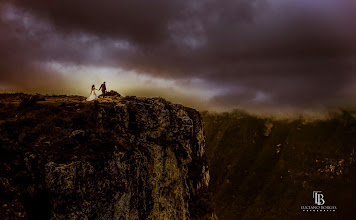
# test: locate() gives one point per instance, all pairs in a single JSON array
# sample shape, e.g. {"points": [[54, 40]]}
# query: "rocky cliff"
{"points": [[116, 158]]}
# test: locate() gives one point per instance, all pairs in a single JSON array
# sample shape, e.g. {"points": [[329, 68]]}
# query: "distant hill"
{"points": [[267, 169]]}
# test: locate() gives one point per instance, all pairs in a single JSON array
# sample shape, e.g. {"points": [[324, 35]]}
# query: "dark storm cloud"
{"points": [[17, 54], [293, 53], [141, 21]]}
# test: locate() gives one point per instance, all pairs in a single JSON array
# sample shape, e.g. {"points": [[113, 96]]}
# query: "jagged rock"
{"points": [[133, 158], [77, 133], [112, 93]]}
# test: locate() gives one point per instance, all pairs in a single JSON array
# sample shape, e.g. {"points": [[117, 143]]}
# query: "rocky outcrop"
{"points": [[131, 158]]}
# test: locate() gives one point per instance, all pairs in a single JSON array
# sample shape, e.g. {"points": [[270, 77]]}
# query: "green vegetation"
{"points": [[265, 168]]}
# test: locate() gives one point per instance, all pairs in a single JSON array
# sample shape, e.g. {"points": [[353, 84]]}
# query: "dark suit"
{"points": [[103, 89]]}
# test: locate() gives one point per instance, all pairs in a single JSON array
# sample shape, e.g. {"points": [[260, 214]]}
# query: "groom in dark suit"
{"points": [[103, 89]]}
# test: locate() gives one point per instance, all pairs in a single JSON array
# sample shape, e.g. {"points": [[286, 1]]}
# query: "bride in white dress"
{"points": [[93, 95]]}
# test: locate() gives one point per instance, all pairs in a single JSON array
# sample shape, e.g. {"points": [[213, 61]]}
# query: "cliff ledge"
{"points": [[116, 158]]}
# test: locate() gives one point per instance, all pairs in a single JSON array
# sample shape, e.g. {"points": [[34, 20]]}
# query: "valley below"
{"points": [[263, 168]]}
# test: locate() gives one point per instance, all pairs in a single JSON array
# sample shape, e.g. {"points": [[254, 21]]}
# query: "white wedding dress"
{"points": [[92, 96]]}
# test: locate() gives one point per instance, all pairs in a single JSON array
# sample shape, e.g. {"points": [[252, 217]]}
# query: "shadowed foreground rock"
{"points": [[128, 158]]}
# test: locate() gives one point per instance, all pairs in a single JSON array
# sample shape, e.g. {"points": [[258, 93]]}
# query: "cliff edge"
{"points": [[119, 158]]}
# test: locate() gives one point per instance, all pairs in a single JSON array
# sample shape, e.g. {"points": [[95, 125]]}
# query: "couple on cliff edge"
{"points": [[93, 95]]}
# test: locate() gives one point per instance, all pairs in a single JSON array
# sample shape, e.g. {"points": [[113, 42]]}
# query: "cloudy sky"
{"points": [[208, 54]]}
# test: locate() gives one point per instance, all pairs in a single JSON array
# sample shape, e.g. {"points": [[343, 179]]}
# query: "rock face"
{"points": [[132, 158]]}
